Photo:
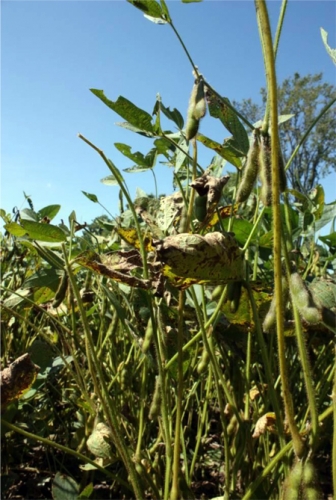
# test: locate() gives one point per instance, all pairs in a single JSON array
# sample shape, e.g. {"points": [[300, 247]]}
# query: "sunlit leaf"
{"points": [[331, 52], [219, 109], [149, 7], [50, 211], [329, 240], [127, 110], [225, 151], [92, 197], [222, 213], [131, 237], [173, 115], [110, 180], [15, 229], [43, 232]]}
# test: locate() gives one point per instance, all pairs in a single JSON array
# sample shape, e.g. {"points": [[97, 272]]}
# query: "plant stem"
{"points": [[178, 419], [268, 53]]}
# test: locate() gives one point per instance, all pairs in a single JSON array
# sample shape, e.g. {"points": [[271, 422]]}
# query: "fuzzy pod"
{"points": [[155, 407], [204, 362], [61, 291], [293, 483], [200, 207], [148, 337], [250, 170], [217, 292], [303, 300], [200, 102], [191, 127], [265, 170]]}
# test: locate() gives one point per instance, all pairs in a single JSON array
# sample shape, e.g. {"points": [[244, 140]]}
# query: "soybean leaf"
{"points": [[329, 240], [64, 488], [44, 278], [91, 197], [110, 180], [173, 115], [331, 52], [132, 128], [127, 110], [191, 1], [43, 232], [50, 211], [226, 151], [219, 109], [146, 162], [29, 214], [148, 7], [15, 229]]}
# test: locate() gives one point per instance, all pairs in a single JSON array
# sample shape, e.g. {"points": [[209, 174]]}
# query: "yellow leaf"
{"points": [[131, 237]]}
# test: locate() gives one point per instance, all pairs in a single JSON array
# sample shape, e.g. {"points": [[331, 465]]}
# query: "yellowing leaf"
{"points": [[131, 237]]}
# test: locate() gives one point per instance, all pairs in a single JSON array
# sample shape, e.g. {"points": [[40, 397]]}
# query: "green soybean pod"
{"points": [[204, 362], [148, 337], [250, 170], [265, 171], [61, 291], [293, 483], [270, 318], [303, 300], [155, 407], [200, 103], [200, 207], [191, 127]]}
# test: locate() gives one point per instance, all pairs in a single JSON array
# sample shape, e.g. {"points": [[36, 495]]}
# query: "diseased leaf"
{"points": [[222, 213], [131, 237], [127, 110], [17, 378]]}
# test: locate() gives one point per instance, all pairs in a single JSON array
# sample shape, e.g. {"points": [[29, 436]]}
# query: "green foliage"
{"points": [[154, 331]]}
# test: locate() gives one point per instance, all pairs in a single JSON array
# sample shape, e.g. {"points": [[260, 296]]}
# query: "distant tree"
{"points": [[304, 97]]}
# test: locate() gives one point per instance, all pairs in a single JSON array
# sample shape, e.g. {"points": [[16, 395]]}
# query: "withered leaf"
{"points": [[17, 378]]}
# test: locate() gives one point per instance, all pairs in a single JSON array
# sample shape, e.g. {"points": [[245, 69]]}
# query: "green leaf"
{"points": [[329, 213], [50, 211], [64, 488], [191, 1], [91, 197], [29, 214], [148, 7], [15, 229], [173, 115], [127, 110], [241, 229], [43, 232], [329, 240], [87, 492], [137, 130], [219, 109], [165, 10], [155, 20], [331, 52], [225, 151], [147, 161], [110, 180], [44, 278]]}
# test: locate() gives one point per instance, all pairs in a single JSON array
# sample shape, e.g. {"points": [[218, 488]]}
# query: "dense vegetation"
{"points": [[184, 349]]}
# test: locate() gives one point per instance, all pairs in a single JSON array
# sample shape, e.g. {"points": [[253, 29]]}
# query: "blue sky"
{"points": [[53, 52]]}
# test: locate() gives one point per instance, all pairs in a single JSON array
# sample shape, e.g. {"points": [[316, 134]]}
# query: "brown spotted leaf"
{"points": [[17, 378]]}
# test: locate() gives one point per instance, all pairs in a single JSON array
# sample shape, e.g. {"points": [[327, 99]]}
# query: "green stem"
{"points": [[268, 53], [95, 368], [334, 433], [175, 491]]}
